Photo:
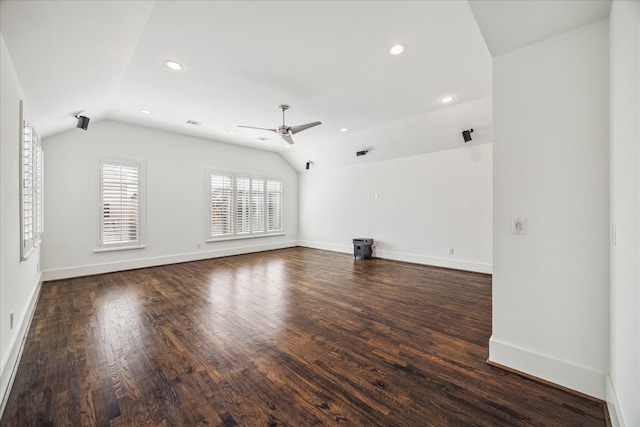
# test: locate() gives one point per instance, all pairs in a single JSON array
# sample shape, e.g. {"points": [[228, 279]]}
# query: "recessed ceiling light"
{"points": [[446, 99], [174, 65], [344, 130], [231, 132], [145, 111], [397, 49]]}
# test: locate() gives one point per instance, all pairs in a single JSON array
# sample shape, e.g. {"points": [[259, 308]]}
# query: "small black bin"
{"points": [[362, 248]]}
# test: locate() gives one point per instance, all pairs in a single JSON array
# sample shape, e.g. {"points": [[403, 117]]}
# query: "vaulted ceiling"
{"points": [[328, 60]]}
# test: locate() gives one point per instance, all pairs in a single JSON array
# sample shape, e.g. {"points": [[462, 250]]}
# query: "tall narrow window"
{"points": [[120, 207], [243, 197], [37, 185], [31, 181], [221, 205], [242, 206], [257, 205], [275, 206], [28, 164]]}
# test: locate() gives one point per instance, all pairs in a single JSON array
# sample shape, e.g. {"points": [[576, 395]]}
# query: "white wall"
{"points": [[415, 208], [623, 391], [176, 198], [19, 280], [550, 165]]}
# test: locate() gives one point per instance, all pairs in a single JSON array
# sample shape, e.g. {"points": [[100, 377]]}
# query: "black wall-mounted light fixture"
{"points": [[466, 134], [361, 153], [83, 122], [308, 164]]}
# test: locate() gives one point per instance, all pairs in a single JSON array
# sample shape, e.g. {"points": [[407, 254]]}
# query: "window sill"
{"points": [[118, 248], [242, 237], [25, 256]]}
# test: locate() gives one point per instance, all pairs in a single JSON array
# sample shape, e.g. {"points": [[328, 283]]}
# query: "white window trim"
{"points": [[129, 245], [235, 235]]}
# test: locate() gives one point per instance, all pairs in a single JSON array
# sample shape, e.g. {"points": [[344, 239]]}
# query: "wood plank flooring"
{"points": [[294, 337]]}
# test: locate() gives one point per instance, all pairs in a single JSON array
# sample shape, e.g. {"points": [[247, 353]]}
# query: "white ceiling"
{"points": [[328, 60], [508, 25]]}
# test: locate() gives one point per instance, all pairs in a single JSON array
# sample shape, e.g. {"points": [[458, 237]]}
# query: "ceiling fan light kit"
{"points": [[284, 131]]}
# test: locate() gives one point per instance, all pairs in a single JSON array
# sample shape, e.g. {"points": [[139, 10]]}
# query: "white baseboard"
{"points": [[405, 257], [613, 404], [326, 246], [9, 365], [562, 373], [88, 270], [437, 262]]}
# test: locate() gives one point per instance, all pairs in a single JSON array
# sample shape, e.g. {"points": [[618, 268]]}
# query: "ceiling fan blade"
{"points": [[288, 138], [300, 128], [253, 127]]}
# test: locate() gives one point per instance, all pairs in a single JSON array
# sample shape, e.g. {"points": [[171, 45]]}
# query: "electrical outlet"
{"points": [[450, 251], [518, 226], [11, 320], [199, 245]]}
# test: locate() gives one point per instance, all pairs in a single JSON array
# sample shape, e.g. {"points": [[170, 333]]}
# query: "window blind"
{"points": [[242, 206], [27, 186], [257, 205], [31, 185], [120, 206], [221, 205], [243, 197], [275, 206]]}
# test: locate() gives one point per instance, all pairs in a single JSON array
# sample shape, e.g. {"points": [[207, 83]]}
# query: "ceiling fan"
{"points": [[286, 132]]}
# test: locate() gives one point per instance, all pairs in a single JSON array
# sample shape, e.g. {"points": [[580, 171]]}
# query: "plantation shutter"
{"points": [[243, 206], [275, 205], [38, 193], [27, 167], [31, 182], [221, 201], [243, 199], [257, 205], [120, 207]]}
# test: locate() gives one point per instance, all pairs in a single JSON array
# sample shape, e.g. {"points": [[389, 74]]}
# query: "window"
{"points": [[31, 206], [120, 205], [221, 203], [244, 206], [243, 195], [274, 205], [257, 205]]}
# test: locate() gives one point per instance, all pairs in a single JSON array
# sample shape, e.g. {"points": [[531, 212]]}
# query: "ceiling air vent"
{"points": [[194, 122]]}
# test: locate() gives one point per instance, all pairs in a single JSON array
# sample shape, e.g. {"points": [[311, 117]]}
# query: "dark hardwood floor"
{"points": [[294, 337]]}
